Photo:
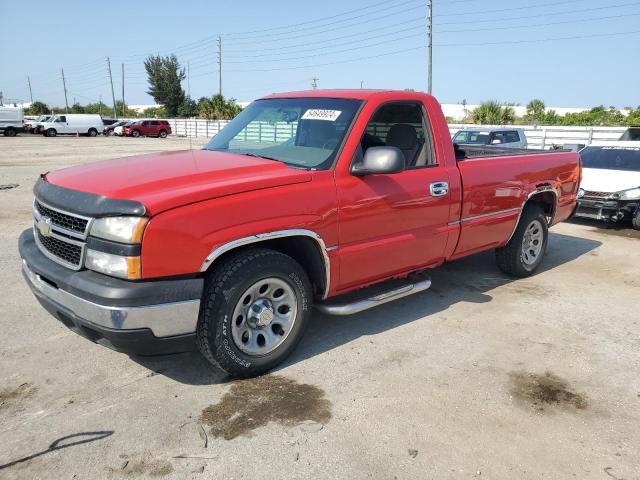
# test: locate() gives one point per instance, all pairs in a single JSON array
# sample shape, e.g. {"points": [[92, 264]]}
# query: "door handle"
{"points": [[439, 189]]}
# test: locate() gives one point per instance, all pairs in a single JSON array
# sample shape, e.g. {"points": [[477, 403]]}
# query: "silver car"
{"points": [[500, 137]]}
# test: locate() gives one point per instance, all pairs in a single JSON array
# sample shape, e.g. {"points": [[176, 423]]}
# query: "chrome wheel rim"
{"points": [[532, 242], [264, 316]]}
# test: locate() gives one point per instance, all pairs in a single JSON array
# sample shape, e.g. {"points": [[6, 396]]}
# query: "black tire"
{"points": [[225, 287], [163, 134], [9, 132], [135, 133], [512, 258], [635, 221], [92, 132], [50, 132]]}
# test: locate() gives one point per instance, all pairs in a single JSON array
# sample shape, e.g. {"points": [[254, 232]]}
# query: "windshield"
{"points": [[473, 138], [301, 132], [611, 158]]}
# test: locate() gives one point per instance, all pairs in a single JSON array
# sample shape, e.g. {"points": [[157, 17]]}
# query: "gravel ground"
{"points": [[482, 376]]}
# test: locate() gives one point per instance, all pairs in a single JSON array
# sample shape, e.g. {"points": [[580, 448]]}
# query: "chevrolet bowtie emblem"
{"points": [[44, 226]]}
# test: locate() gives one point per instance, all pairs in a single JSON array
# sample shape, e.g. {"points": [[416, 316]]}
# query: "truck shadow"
{"points": [[465, 280]]}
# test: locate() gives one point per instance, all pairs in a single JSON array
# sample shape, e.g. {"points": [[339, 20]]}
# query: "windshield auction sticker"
{"points": [[319, 114]]}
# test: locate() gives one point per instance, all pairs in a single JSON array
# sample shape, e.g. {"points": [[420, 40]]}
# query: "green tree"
{"points": [[493, 113], [165, 76], [38, 108], [634, 117], [77, 108], [154, 112], [188, 108], [536, 111], [218, 108]]}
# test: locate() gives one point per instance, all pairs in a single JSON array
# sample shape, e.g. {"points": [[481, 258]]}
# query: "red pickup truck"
{"points": [[341, 199]]}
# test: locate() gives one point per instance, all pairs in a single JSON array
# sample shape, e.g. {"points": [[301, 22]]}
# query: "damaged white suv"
{"points": [[610, 187]]}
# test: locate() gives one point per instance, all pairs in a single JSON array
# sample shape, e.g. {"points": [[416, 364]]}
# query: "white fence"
{"points": [[537, 137]]}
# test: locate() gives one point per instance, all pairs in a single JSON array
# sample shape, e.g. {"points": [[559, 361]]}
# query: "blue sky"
{"points": [[571, 53]]}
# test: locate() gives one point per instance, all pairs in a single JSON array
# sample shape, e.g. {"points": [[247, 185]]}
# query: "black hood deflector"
{"points": [[83, 203]]}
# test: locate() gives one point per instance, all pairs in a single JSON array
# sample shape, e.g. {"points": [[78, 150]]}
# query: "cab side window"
{"points": [[404, 126], [61, 119], [511, 137]]}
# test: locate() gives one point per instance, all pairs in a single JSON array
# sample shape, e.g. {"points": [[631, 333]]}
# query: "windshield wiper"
{"points": [[262, 156]]}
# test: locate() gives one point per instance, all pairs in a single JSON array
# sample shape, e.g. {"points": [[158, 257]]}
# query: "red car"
{"points": [[148, 128], [227, 248]]}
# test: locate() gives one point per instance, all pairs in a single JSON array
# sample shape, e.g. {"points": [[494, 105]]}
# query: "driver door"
{"points": [[394, 223]]}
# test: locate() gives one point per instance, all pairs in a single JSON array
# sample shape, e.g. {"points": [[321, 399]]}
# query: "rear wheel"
{"points": [[635, 221], [92, 132], [135, 133], [51, 132], [254, 311], [525, 251], [163, 134], [9, 132]]}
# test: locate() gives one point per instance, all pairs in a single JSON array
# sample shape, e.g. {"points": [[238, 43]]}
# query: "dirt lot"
{"points": [[480, 377]]}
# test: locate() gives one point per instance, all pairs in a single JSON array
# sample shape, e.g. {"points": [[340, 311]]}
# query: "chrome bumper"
{"points": [[164, 320]]}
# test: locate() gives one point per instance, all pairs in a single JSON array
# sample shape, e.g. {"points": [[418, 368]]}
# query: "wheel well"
{"points": [[545, 200], [304, 250]]}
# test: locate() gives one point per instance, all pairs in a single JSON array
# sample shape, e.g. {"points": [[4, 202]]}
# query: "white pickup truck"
{"points": [[610, 187]]}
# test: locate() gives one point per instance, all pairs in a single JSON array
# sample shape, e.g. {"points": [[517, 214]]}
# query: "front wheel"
{"points": [[135, 133], [254, 311], [163, 134], [51, 132], [525, 251]]}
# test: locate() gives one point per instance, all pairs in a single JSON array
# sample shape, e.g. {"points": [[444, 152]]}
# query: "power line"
{"points": [[405, 50], [538, 15]]}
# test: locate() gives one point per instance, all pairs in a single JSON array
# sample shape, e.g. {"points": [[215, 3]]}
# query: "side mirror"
{"points": [[496, 141], [380, 160]]}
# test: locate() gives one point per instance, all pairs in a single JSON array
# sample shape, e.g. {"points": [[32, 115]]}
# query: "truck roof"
{"points": [[355, 93]]}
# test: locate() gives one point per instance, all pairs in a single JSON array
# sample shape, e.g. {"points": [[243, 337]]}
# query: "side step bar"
{"points": [[342, 309]]}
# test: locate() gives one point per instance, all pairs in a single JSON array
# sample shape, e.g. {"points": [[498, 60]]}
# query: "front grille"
{"points": [[66, 253], [592, 194], [63, 220], [60, 235]]}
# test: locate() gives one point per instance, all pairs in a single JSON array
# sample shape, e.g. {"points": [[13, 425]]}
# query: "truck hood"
{"points": [[172, 179], [610, 181]]}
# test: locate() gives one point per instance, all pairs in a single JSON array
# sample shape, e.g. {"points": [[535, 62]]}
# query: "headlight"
{"points": [[581, 193], [119, 229], [632, 194], [114, 265]]}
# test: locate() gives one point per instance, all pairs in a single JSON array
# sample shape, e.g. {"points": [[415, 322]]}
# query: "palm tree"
{"points": [[492, 113]]}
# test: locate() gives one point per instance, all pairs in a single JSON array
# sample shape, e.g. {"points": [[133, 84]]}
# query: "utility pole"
{"points": [[123, 104], [113, 95], [219, 64], [30, 92], [64, 84], [188, 80], [430, 45], [314, 82], [1, 99], [100, 105], [361, 83]]}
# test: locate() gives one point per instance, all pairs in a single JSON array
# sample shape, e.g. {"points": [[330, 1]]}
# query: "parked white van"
{"points": [[11, 121], [72, 123]]}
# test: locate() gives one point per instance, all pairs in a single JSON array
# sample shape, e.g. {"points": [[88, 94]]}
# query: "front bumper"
{"points": [[144, 317], [607, 210]]}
